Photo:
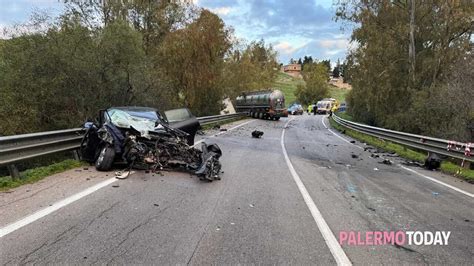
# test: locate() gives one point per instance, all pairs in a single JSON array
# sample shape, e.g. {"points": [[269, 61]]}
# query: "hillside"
{"points": [[287, 84]]}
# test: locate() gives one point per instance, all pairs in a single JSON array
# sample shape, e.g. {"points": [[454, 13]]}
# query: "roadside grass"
{"points": [[33, 175], [338, 93], [404, 152], [287, 84]]}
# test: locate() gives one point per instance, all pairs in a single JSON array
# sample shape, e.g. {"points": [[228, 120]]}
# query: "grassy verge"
{"points": [[338, 93], [404, 152], [287, 84], [36, 174]]}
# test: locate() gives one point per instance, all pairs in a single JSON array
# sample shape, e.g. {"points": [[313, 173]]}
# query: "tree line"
{"points": [[413, 66], [57, 72]]}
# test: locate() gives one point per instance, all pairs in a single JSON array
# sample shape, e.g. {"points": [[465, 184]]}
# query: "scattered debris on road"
{"points": [[223, 129], [354, 156], [257, 134], [352, 141], [386, 161], [413, 163], [433, 161], [376, 169], [200, 132]]}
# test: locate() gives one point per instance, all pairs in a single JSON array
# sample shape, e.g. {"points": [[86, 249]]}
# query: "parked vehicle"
{"points": [[268, 104], [295, 109], [342, 107], [144, 138]]}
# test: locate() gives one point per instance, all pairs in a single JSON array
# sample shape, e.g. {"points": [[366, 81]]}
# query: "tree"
{"points": [[192, 60], [299, 61], [405, 54], [316, 88], [251, 67]]}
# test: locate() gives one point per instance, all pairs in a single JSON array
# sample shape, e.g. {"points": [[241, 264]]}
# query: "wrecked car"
{"points": [[143, 138]]}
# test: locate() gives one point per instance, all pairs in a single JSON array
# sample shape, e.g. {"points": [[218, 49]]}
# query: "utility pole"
{"points": [[411, 49]]}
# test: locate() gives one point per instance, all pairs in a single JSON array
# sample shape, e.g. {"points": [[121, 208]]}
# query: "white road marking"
{"points": [[411, 170], [439, 182], [337, 135], [56, 206], [62, 203], [331, 241]]}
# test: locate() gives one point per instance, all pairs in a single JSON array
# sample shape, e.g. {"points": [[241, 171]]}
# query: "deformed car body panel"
{"points": [[145, 140]]}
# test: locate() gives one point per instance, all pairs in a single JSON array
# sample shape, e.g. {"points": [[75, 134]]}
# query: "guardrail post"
{"points": [[14, 173], [75, 155]]}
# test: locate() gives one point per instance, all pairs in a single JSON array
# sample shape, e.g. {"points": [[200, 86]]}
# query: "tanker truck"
{"points": [[267, 104]]}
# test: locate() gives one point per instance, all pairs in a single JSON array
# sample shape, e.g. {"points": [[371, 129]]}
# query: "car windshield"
{"points": [[142, 121]]}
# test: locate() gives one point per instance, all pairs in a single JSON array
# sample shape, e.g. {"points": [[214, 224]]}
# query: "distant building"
{"points": [[292, 69]]}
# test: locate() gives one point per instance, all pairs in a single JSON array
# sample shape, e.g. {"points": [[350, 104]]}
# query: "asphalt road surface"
{"points": [[257, 214]]}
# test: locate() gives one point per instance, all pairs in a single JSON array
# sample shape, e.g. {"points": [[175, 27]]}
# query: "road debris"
{"points": [[376, 169], [354, 156], [257, 134], [413, 163], [433, 161], [200, 132], [352, 141], [386, 161], [223, 129]]}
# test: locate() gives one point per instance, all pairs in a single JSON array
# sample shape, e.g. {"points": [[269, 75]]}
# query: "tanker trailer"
{"points": [[268, 104]]}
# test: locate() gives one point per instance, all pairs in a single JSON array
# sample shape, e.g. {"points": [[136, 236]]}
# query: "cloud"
{"points": [[334, 43], [286, 48], [221, 10], [295, 28]]}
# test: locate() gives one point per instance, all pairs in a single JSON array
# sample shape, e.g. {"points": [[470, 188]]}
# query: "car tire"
{"points": [[105, 159]]}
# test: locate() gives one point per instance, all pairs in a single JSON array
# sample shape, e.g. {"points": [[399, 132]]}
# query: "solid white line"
{"points": [[331, 241], [337, 135], [56, 206], [439, 182]]}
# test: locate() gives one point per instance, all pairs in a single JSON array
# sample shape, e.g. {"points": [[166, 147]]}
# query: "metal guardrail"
{"points": [[26, 146], [453, 149], [206, 120]]}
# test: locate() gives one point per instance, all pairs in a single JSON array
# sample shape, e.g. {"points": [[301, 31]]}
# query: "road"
{"points": [[257, 214]]}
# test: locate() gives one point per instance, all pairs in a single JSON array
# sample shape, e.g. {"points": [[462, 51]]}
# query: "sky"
{"points": [[295, 28]]}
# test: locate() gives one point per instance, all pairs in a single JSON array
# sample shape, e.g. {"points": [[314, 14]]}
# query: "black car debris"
{"points": [[144, 138]]}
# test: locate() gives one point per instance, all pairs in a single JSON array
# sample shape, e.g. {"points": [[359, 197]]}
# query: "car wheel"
{"points": [[105, 159]]}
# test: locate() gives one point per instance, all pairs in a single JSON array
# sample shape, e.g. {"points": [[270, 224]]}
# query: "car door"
{"points": [[184, 120]]}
